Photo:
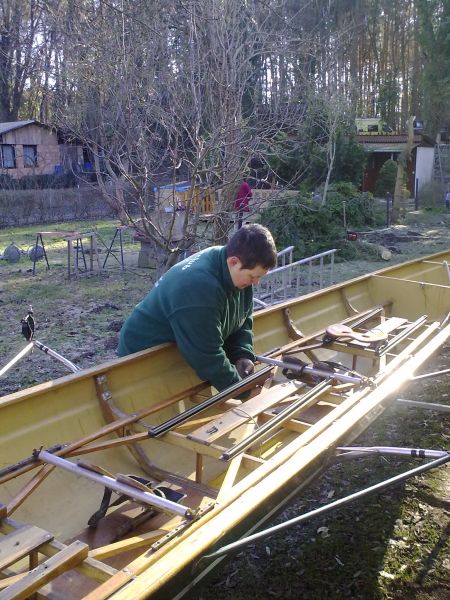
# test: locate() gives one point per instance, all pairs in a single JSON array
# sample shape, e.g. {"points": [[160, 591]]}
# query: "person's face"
{"points": [[241, 277]]}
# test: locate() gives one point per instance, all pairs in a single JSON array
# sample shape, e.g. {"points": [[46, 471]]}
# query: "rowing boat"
{"points": [[120, 481]]}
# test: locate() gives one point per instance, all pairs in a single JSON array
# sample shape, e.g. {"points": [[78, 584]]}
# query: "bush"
{"points": [[386, 180], [432, 195], [44, 182], [311, 228]]}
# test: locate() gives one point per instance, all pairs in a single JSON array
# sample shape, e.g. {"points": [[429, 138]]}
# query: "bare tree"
{"points": [[160, 97], [20, 47]]}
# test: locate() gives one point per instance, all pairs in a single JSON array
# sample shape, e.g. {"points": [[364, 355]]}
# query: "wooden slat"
{"points": [[178, 439], [145, 539], [241, 414], [4, 583], [20, 543], [90, 567], [63, 561], [28, 488], [234, 466], [112, 427]]}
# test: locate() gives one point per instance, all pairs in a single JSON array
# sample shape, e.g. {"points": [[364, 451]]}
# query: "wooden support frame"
{"points": [[65, 560], [70, 449], [20, 543], [131, 543], [92, 568]]}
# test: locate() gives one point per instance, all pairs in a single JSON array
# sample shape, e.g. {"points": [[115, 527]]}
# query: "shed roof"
{"points": [[11, 125], [386, 148]]}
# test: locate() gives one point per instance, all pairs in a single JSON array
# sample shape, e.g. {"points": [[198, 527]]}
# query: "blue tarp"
{"points": [[182, 186]]}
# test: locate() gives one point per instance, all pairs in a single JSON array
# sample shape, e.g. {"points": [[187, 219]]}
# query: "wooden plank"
{"points": [[20, 543], [390, 324], [28, 488], [234, 466], [178, 439], [4, 583], [92, 568], [137, 541], [63, 561], [241, 414]]}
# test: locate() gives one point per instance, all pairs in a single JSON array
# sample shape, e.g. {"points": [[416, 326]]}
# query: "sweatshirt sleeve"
{"points": [[240, 343], [199, 339]]}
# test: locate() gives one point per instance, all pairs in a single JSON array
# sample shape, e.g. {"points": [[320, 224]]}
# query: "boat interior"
{"points": [[108, 468]]}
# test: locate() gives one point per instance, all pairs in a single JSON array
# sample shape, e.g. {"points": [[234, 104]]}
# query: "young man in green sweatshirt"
{"points": [[204, 304]]}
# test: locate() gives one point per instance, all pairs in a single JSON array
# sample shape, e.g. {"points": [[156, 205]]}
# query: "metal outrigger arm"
{"points": [[377, 487], [36, 344], [28, 327]]}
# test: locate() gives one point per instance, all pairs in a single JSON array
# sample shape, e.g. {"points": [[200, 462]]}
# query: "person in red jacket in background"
{"points": [[241, 204]]}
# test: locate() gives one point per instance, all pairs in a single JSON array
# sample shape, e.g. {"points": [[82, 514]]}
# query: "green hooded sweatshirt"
{"points": [[196, 305]]}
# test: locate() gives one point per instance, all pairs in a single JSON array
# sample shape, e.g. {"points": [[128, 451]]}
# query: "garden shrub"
{"points": [[311, 228], [45, 181], [386, 179], [432, 195]]}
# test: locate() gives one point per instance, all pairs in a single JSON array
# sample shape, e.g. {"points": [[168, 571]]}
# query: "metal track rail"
{"points": [[229, 392], [304, 401], [385, 348]]}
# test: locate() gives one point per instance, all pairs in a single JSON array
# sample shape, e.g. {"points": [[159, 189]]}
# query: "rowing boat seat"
{"points": [[343, 332], [144, 485], [140, 483]]}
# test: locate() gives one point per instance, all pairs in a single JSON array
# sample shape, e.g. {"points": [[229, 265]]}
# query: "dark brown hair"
{"points": [[254, 246]]}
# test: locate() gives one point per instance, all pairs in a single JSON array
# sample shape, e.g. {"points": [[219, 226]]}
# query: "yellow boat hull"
{"points": [[228, 497]]}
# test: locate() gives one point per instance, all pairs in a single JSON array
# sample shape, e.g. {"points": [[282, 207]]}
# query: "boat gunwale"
{"points": [[150, 565], [362, 407], [170, 346]]}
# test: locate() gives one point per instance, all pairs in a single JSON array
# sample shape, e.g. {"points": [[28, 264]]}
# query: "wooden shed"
{"points": [[31, 148], [382, 147]]}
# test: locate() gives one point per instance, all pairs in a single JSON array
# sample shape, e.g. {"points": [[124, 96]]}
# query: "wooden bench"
{"points": [[20, 543], [68, 558]]}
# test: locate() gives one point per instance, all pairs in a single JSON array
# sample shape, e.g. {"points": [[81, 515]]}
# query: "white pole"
{"points": [[21, 354], [121, 488]]}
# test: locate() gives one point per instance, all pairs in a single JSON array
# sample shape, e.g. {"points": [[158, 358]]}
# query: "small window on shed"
{"points": [[8, 156], [30, 156], [372, 128]]}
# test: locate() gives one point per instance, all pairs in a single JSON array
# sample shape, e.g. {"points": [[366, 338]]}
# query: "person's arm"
{"points": [[240, 343], [199, 339]]}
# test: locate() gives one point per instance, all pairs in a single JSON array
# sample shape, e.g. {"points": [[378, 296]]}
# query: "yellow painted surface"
{"points": [[67, 409]]}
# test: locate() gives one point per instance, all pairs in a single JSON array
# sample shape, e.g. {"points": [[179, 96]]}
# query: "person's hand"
{"points": [[244, 366]]}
